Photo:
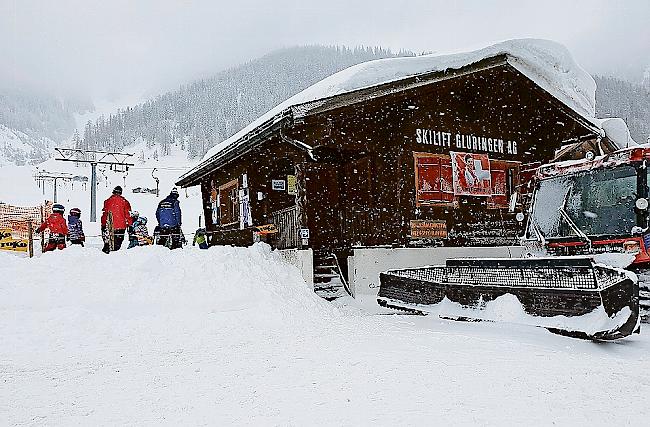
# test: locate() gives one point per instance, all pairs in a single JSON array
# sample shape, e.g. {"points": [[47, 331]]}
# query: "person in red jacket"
{"points": [[58, 229], [120, 210]]}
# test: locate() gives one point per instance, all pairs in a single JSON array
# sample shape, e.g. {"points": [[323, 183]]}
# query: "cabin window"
{"points": [[229, 203], [433, 179]]}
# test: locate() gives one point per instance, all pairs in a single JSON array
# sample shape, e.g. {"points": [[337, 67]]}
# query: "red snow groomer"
{"points": [[584, 217]]}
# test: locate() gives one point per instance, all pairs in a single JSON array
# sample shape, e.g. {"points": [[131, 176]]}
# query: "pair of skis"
{"points": [[109, 232]]}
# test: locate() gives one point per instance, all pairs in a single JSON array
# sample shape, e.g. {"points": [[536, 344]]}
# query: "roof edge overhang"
{"points": [[235, 150]]}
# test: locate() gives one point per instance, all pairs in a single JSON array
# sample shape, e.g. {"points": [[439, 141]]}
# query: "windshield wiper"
{"points": [[569, 221]]}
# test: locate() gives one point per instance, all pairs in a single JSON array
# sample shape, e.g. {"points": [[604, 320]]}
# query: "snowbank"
{"points": [[507, 308], [232, 336], [547, 63], [157, 280]]}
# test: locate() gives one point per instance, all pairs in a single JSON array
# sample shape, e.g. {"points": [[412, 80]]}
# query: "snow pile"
{"points": [[154, 281], [617, 260], [232, 336], [547, 63], [507, 308]]}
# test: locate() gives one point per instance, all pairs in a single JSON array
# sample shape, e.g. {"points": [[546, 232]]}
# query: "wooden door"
{"points": [[322, 205], [358, 225]]}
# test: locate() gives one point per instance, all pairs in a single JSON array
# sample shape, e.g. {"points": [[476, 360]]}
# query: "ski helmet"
{"points": [[75, 211], [134, 214], [58, 208], [117, 190], [174, 191]]}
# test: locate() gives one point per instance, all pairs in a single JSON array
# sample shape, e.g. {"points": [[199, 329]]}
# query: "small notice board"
{"points": [[423, 229]]}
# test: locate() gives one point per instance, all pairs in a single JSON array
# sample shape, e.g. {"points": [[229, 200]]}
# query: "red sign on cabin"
{"points": [[433, 178], [471, 174]]}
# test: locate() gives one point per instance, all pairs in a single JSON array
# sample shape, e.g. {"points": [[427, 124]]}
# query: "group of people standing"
{"points": [[117, 220]]}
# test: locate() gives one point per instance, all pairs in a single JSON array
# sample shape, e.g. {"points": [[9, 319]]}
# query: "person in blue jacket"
{"points": [[168, 215]]}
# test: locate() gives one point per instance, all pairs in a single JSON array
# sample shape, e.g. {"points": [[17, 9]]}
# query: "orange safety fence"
{"points": [[18, 218]]}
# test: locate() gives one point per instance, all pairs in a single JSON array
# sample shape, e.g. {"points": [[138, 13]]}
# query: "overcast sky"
{"points": [[111, 48]]}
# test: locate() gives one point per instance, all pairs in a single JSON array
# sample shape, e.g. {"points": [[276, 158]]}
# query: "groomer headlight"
{"points": [[641, 204], [631, 247]]}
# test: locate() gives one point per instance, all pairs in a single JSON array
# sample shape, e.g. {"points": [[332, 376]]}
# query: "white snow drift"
{"points": [[232, 336]]}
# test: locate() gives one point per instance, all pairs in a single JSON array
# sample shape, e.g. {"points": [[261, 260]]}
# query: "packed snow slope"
{"points": [[18, 148], [149, 336]]}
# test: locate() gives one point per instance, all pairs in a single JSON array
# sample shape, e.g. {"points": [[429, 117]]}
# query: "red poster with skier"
{"points": [[471, 174]]}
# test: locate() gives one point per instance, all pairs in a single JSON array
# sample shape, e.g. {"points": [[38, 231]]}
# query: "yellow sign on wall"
{"points": [[291, 185], [267, 229], [8, 243]]}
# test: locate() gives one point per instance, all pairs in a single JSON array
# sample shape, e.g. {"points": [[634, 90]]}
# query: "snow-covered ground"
{"points": [[149, 336]]}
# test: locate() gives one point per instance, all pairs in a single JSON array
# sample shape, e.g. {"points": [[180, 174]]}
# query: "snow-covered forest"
{"points": [[32, 122], [206, 112], [629, 101]]}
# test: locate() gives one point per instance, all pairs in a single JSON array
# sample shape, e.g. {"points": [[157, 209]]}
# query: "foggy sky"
{"points": [[112, 48]]}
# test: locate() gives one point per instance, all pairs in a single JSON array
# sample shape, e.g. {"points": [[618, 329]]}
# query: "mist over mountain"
{"points": [[204, 113], [31, 124], [40, 115]]}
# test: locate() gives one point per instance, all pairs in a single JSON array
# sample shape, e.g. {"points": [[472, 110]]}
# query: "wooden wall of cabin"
{"points": [[375, 142], [271, 160]]}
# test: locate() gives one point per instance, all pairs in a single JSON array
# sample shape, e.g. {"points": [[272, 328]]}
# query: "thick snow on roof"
{"points": [[616, 130], [547, 63]]}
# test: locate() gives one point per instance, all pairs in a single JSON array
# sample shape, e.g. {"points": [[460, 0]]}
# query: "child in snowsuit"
{"points": [[133, 239], [200, 238], [139, 234], [75, 227], [58, 229]]}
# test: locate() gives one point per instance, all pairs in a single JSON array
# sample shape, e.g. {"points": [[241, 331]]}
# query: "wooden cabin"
{"points": [[434, 160]]}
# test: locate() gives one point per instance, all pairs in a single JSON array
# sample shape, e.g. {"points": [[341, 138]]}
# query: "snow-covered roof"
{"points": [[548, 64], [617, 131]]}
